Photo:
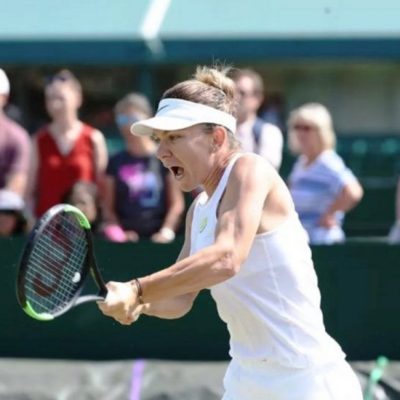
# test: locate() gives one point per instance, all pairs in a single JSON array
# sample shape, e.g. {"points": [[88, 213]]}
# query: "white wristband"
{"points": [[168, 233]]}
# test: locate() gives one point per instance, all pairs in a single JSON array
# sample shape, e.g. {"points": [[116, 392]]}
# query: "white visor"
{"points": [[176, 114]]}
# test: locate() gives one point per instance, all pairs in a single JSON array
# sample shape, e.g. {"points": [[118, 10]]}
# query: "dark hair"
{"points": [[64, 75], [258, 84], [23, 223]]}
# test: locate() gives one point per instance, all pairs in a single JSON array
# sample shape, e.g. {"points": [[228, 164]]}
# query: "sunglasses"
{"points": [[303, 127], [242, 93], [123, 119]]}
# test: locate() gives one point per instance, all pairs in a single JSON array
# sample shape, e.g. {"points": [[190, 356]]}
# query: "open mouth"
{"points": [[177, 171]]}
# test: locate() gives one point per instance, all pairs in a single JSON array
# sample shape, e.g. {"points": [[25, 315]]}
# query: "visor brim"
{"points": [[148, 126]]}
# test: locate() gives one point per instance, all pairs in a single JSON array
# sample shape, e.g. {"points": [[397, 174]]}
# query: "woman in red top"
{"points": [[67, 150]]}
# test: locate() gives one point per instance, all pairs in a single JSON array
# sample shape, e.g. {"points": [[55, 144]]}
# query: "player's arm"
{"points": [[174, 307], [239, 219]]}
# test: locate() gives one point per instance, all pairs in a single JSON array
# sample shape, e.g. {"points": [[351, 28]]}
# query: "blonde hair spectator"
{"points": [[322, 187], [319, 117]]}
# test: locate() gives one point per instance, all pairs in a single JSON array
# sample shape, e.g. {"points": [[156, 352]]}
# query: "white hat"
{"points": [[4, 83], [176, 114], [10, 201]]}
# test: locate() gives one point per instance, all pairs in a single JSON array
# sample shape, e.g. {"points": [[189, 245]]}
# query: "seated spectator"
{"points": [[15, 146], [84, 195], [13, 218], [255, 134], [322, 187], [142, 200], [66, 150]]}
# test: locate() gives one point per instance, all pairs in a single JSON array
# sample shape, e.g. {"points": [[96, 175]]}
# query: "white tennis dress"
{"points": [[278, 343]]}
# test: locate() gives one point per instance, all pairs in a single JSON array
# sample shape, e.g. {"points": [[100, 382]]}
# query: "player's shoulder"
{"points": [[252, 166], [251, 160]]}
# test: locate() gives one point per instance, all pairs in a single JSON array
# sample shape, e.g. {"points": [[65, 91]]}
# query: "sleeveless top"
{"points": [[58, 172], [272, 305]]}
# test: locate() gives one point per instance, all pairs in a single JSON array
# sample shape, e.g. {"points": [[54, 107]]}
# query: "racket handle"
{"points": [[88, 298]]}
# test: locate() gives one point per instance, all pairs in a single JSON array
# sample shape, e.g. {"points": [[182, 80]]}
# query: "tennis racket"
{"points": [[55, 263]]}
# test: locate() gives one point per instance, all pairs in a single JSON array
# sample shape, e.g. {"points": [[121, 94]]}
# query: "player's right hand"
{"points": [[121, 302]]}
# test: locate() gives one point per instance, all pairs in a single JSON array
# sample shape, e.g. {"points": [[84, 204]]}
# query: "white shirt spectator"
{"points": [[270, 144]]}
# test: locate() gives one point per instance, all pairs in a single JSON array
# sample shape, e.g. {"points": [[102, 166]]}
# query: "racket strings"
{"points": [[53, 273]]}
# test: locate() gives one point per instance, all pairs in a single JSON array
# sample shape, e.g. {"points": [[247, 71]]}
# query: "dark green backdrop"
{"points": [[359, 282]]}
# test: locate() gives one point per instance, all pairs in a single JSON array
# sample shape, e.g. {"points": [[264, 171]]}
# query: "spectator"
{"points": [[66, 150], [322, 187], [394, 233], [255, 134], [84, 195], [13, 218], [14, 146], [272, 110], [142, 200]]}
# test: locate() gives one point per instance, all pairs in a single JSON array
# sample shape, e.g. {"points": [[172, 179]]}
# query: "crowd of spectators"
{"points": [[129, 195], [126, 197]]}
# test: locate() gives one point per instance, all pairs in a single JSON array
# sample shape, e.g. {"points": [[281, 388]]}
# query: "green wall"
{"points": [[360, 297]]}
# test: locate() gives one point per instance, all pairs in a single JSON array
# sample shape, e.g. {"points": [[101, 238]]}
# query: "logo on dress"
{"points": [[203, 224]]}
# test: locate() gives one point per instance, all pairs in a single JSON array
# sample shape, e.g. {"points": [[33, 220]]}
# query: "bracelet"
{"points": [[168, 233], [139, 290]]}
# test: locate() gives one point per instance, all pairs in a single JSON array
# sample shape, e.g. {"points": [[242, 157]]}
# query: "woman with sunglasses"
{"points": [[322, 187], [66, 150], [245, 243], [142, 200]]}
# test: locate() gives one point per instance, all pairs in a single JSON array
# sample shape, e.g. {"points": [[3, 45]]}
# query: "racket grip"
{"points": [[88, 298]]}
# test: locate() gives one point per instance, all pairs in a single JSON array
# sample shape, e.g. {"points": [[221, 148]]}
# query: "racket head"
{"points": [[55, 262]]}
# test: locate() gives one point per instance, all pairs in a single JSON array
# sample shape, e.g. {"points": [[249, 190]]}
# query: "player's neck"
{"points": [[212, 180]]}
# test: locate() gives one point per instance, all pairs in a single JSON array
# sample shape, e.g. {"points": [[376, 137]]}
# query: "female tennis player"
{"points": [[245, 243]]}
